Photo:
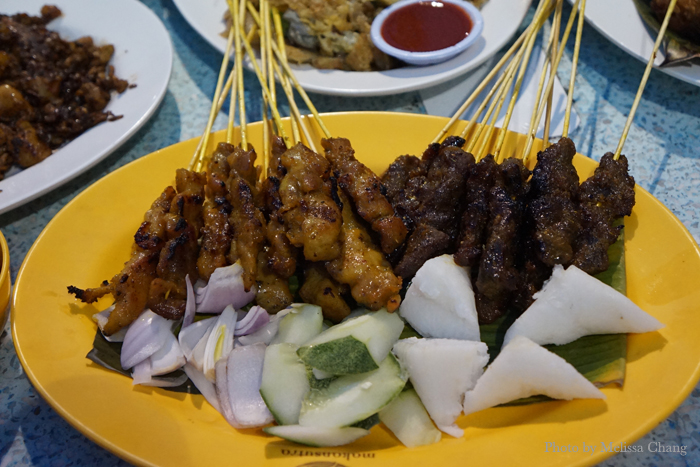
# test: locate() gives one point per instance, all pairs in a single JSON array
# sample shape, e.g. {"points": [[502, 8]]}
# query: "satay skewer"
{"points": [[645, 77], [574, 64], [552, 73]]}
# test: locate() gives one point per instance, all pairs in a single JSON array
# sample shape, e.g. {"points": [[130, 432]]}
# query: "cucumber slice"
{"points": [[284, 383], [407, 418], [316, 436], [302, 324], [352, 398], [355, 346]]}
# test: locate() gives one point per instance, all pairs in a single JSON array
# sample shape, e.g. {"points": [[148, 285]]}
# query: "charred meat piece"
{"points": [[424, 243], [178, 258], [363, 267], [497, 278], [281, 255], [403, 169], [310, 210], [365, 189], [320, 289], [272, 292], [130, 286], [476, 214], [552, 207], [605, 197], [216, 232], [246, 219]]}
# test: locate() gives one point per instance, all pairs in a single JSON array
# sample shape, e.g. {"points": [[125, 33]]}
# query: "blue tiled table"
{"points": [[664, 151]]}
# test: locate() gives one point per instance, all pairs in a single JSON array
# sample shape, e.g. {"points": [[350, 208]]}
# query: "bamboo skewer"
{"points": [[237, 11], [516, 90], [286, 85], [479, 89], [212, 113], [550, 82], [574, 64], [552, 75], [643, 83]]}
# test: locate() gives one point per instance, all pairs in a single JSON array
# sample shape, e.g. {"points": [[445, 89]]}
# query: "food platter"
{"points": [[91, 237], [143, 56], [621, 23], [501, 20]]}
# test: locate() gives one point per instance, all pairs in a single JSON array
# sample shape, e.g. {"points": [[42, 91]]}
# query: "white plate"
{"points": [[619, 21], [143, 55], [501, 21]]}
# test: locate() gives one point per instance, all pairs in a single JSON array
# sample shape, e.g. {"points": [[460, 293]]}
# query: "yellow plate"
{"points": [[89, 240]]}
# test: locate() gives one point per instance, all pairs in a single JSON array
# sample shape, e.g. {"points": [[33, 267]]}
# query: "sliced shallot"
{"points": [[256, 318], [145, 337], [225, 288], [244, 375]]}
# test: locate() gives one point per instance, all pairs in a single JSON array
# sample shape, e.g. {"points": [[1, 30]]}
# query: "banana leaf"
{"points": [[677, 48]]}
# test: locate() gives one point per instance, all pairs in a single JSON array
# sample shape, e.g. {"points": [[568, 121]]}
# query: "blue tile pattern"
{"points": [[663, 147]]}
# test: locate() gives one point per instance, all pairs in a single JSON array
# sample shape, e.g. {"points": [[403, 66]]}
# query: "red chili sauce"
{"points": [[426, 26]]}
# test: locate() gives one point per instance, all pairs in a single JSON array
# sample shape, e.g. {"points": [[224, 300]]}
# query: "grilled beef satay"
{"points": [[497, 277], [435, 205], [310, 210], [365, 190], [178, 257], [130, 286], [246, 218], [397, 176], [320, 289], [363, 267], [476, 214], [605, 197], [553, 206], [216, 232]]}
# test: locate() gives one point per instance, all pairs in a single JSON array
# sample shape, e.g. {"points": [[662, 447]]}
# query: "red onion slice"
{"points": [[225, 288], [267, 332], [168, 358], [190, 336], [220, 341], [101, 319], [142, 372], [207, 389], [244, 375], [190, 304], [256, 318], [144, 337], [223, 395]]}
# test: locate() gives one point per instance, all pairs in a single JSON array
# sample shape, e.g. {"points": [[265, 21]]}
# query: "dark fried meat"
{"points": [[424, 243], [272, 292], [51, 90], [311, 211], [605, 197], [364, 188], [553, 207], [130, 287], [363, 267], [320, 289], [216, 232], [476, 214], [275, 167]]}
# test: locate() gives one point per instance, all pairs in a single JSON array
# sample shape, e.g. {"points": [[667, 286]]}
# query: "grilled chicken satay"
{"points": [[363, 267], [367, 193], [246, 219], [130, 286], [216, 232], [605, 197], [320, 289], [311, 210], [178, 258], [272, 290]]}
